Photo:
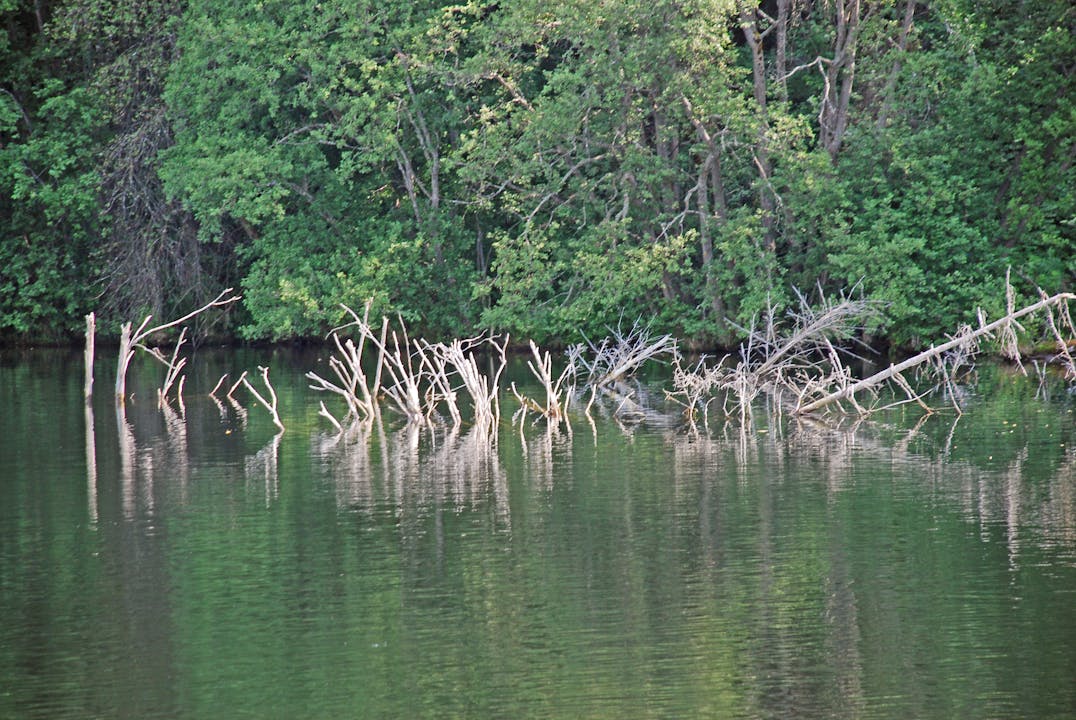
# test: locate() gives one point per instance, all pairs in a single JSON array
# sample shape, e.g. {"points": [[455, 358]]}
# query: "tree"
{"points": [[49, 125], [323, 135]]}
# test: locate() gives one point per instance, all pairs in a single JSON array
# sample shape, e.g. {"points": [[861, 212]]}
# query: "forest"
{"points": [[540, 167]]}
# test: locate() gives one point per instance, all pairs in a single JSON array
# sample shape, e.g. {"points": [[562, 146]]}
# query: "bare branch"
{"points": [[271, 403], [129, 340], [934, 352]]}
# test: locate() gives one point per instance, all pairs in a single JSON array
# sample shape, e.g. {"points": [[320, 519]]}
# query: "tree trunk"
{"points": [[91, 329], [710, 181], [933, 352], [894, 73], [754, 37], [840, 71], [781, 51], [126, 353]]}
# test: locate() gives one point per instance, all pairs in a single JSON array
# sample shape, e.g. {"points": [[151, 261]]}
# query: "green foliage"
{"points": [[545, 291], [325, 136], [544, 168], [896, 210], [46, 250]]}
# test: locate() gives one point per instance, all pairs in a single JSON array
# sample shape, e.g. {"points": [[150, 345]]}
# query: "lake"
{"points": [[158, 566]]}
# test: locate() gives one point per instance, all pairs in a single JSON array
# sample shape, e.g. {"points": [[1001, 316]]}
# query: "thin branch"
{"points": [[271, 403]]}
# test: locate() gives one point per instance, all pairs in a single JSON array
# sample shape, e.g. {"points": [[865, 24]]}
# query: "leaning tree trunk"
{"points": [[894, 370]]}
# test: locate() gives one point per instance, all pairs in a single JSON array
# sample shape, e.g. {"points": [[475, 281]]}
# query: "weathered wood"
{"points": [[934, 351], [271, 403], [542, 369], [131, 340], [91, 331], [620, 355]]}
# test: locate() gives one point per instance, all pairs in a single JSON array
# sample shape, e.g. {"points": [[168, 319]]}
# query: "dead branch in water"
{"points": [[173, 367], [693, 386], [805, 362], [423, 378], [404, 361], [619, 355], [271, 403], [132, 340], [961, 343], [213, 392], [457, 359], [91, 330], [406, 368], [774, 360], [354, 386], [542, 369]]}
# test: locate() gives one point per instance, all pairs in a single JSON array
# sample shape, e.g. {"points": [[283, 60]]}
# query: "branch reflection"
{"points": [[413, 470], [263, 467], [159, 463]]}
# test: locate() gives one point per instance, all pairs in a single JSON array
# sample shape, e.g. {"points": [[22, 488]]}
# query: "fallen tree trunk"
{"points": [[934, 352]]}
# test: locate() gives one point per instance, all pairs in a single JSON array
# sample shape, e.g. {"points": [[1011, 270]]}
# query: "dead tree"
{"points": [[423, 378], [269, 404], [358, 391], [91, 330], [619, 355], [132, 340], [961, 341], [174, 365], [457, 359], [555, 389], [778, 356]]}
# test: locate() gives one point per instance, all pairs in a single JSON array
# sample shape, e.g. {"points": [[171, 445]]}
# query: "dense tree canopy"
{"points": [[539, 166]]}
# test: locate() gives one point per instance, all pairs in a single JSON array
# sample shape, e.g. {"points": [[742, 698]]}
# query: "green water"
{"points": [[160, 568]]}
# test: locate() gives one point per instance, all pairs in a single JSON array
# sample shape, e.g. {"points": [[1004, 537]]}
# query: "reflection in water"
{"points": [[1058, 507], [264, 467], [833, 447], [466, 468], [1009, 496], [787, 568], [91, 463], [540, 450], [419, 468], [160, 464], [347, 458]]}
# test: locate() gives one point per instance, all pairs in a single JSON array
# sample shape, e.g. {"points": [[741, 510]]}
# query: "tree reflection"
{"points": [[419, 469], [540, 449], [160, 463], [91, 463], [782, 568], [263, 467]]}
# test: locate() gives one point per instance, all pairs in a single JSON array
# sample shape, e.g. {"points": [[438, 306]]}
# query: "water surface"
{"points": [[153, 566]]}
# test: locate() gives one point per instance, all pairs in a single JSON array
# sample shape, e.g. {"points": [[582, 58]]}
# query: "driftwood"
{"points": [[358, 391], [405, 368], [794, 356], [173, 366], [960, 342], [619, 355], [457, 359], [422, 378], [555, 389], [797, 361], [801, 360]]}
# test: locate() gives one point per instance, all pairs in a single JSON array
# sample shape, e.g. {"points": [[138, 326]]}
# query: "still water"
{"points": [[159, 567]]}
